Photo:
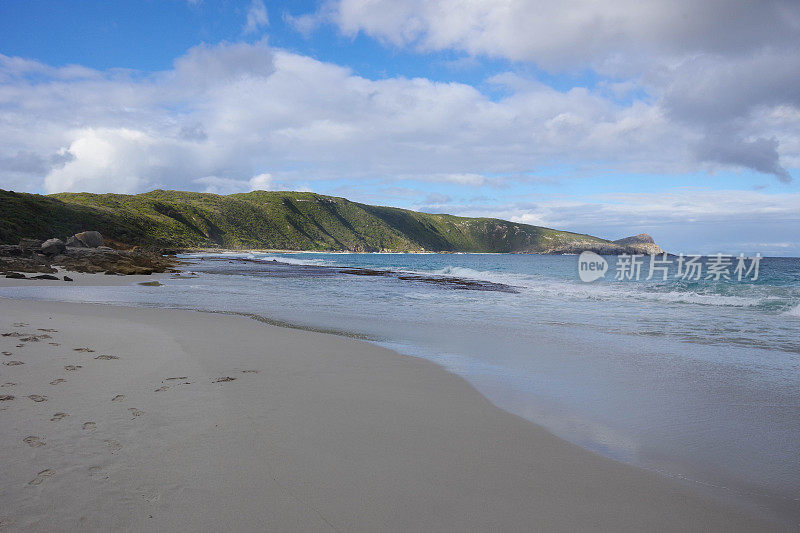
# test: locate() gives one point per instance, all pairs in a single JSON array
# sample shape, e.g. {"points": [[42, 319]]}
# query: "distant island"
{"points": [[280, 221]]}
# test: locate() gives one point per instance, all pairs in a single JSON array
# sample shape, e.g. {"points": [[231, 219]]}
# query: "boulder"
{"points": [[90, 239], [73, 242], [53, 247], [15, 275], [45, 276]]}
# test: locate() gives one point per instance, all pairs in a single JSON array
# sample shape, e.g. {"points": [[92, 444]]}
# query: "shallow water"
{"points": [[696, 379]]}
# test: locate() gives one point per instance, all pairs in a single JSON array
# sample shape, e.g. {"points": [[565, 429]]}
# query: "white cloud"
{"points": [[256, 17], [567, 34], [235, 110], [260, 182], [709, 65], [217, 185], [106, 159]]}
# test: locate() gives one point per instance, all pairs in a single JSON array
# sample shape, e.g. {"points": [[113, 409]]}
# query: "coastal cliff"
{"points": [[280, 220], [636, 244]]}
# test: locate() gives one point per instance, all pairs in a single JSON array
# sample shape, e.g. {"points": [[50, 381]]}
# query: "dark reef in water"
{"points": [[273, 268]]}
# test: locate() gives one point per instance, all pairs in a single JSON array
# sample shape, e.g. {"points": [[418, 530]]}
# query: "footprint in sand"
{"points": [[135, 412], [150, 495], [57, 381], [20, 325], [58, 416], [13, 334], [250, 371], [35, 338], [97, 472], [72, 368], [174, 379], [33, 441], [7, 353], [8, 384], [48, 330], [41, 476], [161, 389], [6, 397], [13, 363], [222, 380], [89, 426], [83, 350], [20, 346], [113, 445], [53, 344], [106, 357], [6, 522], [118, 398], [38, 398]]}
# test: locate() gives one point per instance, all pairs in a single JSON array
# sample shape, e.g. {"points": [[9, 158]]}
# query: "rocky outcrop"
{"points": [[636, 244], [91, 260], [641, 243], [53, 247]]}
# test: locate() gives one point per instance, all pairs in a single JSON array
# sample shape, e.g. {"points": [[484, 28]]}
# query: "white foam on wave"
{"points": [[292, 260], [266, 257], [794, 311], [594, 291], [480, 275], [551, 287]]}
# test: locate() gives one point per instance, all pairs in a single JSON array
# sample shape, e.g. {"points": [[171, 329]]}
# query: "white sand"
{"points": [[316, 432]]}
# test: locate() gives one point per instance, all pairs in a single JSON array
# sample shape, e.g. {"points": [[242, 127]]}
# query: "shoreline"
{"points": [[582, 482]]}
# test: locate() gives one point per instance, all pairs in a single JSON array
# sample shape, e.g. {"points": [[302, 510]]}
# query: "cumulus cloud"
{"points": [[232, 111], [726, 99], [571, 33], [206, 66], [758, 154], [707, 67], [33, 163], [236, 110]]}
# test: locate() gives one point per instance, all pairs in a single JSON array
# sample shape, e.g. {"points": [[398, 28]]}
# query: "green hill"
{"points": [[266, 220]]}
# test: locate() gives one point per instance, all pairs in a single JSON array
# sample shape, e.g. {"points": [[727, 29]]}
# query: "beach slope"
{"points": [[144, 419]]}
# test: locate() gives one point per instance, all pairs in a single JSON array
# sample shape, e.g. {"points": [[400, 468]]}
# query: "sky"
{"points": [[676, 118]]}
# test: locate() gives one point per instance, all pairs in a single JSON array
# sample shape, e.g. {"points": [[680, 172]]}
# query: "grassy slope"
{"points": [[259, 219]]}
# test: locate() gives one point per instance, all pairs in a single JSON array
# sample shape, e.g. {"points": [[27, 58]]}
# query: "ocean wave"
{"points": [[605, 291], [794, 311], [292, 260], [543, 286], [480, 275]]}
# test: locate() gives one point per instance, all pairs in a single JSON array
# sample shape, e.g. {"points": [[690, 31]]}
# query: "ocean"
{"points": [[697, 379]]}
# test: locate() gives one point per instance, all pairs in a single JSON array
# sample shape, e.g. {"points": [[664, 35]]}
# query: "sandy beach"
{"points": [[138, 419]]}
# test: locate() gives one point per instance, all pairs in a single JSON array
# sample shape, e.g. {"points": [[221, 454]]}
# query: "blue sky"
{"points": [[611, 120]]}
